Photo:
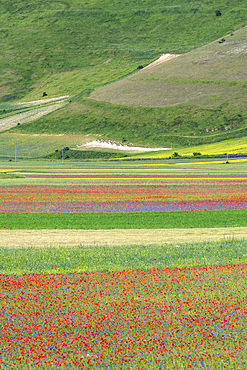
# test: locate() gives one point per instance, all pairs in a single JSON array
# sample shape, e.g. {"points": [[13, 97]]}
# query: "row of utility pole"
{"points": [[117, 153], [16, 153]]}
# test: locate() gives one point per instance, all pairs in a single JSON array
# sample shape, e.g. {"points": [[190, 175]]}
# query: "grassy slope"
{"points": [[135, 220], [144, 125], [57, 48], [208, 77], [213, 78], [64, 47]]}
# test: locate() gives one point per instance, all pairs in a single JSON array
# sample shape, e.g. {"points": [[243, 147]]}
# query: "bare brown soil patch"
{"points": [[57, 238]]}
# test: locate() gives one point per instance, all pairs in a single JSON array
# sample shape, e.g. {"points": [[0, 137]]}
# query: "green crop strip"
{"points": [[95, 258], [135, 220]]}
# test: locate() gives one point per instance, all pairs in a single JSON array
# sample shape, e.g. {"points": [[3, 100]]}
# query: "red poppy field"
{"points": [[159, 318], [146, 315]]}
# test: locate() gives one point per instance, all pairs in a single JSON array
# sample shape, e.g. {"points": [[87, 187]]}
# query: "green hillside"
{"points": [[76, 48], [196, 98], [150, 126], [64, 47], [208, 76]]}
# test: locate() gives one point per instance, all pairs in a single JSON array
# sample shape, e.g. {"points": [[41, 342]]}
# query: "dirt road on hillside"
{"points": [[46, 238], [12, 121], [32, 114], [163, 58], [44, 101]]}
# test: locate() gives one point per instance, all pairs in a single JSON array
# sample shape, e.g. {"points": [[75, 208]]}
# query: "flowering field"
{"points": [[167, 195], [146, 318], [143, 307]]}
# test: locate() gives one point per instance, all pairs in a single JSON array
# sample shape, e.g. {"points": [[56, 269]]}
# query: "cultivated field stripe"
{"points": [[45, 238]]}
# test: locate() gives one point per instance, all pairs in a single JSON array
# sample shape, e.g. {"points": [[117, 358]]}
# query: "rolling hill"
{"points": [[208, 76], [78, 49], [63, 47], [196, 98]]}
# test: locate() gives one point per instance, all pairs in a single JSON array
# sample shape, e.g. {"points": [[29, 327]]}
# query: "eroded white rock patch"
{"points": [[97, 144]]}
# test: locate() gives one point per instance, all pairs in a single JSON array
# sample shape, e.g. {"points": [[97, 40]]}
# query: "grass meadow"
{"points": [[174, 306], [38, 146]]}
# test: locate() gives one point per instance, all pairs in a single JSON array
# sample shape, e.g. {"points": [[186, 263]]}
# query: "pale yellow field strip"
{"points": [[116, 237]]}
